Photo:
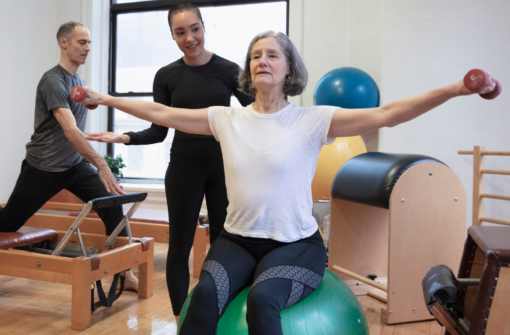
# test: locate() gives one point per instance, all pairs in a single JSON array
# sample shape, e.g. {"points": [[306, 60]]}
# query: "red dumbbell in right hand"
{"points": [[476, 80], [78, 94]]}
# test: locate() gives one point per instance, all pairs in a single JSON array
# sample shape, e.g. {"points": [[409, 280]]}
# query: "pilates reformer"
{"points": [[59, 216], [393, 216], [145, 222], [477, 302], [80, 259], [151, 223]]}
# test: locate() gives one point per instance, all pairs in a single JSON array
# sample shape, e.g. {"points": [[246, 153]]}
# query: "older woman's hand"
{"points": [[480, 82]]}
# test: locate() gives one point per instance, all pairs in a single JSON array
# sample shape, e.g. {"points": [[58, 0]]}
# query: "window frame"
{"points": [[148, 6]]}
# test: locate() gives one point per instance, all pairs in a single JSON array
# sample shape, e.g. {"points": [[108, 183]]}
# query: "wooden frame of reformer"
{"points": [[159, 232], [79, 272]]}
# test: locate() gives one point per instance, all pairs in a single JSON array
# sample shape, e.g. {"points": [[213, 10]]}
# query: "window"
{"points": [[142, 44]]}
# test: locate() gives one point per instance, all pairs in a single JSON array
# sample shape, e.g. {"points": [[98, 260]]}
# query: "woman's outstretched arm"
{"points": [[351, 122], [194, 121]]}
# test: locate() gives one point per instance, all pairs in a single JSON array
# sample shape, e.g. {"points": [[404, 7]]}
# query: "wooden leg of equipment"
{"points": [[486, 256], [199, 249], [80, 310], [145, 275], [499, 322], [446, 320]]}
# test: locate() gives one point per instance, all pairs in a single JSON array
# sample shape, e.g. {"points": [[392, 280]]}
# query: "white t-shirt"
{"points": [[270, 162]]}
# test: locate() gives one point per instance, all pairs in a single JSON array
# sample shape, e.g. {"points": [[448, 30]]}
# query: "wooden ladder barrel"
{"points": [[479, 172]]}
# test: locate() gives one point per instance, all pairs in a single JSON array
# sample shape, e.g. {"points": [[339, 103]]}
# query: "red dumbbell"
{"points": [[476, 79], [78, 94]]}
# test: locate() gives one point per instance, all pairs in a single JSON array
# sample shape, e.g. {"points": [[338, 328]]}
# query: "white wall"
{"points": [[409, 47], [427, 44], [336, 33], [29, 48]]}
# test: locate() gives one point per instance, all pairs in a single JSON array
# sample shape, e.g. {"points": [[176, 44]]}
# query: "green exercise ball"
{"points": [[332, 309]]}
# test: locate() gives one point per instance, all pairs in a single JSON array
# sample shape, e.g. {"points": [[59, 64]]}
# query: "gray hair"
{"points": [[298, 76], [66, 30]]}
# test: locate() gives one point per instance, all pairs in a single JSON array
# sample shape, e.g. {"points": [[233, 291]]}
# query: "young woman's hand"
{"points": [[108, 137]]}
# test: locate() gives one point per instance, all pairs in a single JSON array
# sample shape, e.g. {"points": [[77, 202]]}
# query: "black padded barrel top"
{"points": [[369, 178]]}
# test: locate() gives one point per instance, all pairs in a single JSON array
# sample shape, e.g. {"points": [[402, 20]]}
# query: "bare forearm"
{"points": [[406, 109], [77, 138], [150, 111], [193, 121]]}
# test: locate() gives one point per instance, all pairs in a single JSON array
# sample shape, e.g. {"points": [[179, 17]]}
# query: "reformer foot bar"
{"points": [[114, 255], [135, 198], [145, 222]]}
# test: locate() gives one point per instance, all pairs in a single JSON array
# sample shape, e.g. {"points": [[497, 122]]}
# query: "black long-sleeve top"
{"points": [[193, 87]]}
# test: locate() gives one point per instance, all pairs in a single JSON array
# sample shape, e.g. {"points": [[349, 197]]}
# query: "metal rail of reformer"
{"points": [[479, 194], [135, 198]]}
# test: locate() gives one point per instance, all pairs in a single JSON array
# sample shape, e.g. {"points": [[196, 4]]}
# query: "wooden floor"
{"points": [[36, 307]]}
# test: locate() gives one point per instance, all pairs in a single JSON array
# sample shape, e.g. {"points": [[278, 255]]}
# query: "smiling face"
{"points": [[268, 65], [188, 32], [77, 45]]}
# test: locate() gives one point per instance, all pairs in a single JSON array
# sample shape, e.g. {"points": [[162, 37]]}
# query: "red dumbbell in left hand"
{"points": [[78, 94], [477, 80]]}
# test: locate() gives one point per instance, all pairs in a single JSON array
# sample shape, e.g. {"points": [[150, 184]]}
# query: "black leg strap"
{"points": [[103, 300]]}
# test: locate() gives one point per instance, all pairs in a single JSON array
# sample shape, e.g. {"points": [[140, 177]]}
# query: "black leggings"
{"points": [[281, 275], [187, 179], [35, 187]]}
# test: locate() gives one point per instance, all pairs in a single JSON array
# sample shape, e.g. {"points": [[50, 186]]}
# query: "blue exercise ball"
{"points": [[346, 87]]}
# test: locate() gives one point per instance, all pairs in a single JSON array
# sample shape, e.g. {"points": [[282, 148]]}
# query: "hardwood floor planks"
{"points": [[40, 308]]}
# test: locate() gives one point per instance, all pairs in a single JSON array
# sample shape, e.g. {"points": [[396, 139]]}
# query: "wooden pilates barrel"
{"points": [[396, 216]]}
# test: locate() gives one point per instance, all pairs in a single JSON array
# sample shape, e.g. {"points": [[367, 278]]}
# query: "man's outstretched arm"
{"points": [[67, 121]]}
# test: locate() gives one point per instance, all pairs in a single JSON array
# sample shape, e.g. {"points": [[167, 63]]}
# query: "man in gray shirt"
{"points": [[58, 156]]}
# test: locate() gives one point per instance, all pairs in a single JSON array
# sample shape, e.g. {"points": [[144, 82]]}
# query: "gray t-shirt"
{"points": [[49, 149]]}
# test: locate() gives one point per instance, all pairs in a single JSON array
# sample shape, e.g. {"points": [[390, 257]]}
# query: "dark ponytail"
{"points": [[181, 7]]}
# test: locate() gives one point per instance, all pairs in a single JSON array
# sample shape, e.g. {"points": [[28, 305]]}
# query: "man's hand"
{"points": [[109, 180], [108, 137]]}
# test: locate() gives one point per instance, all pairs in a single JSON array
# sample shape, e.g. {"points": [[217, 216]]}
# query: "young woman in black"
{"points": [[198, 80]]}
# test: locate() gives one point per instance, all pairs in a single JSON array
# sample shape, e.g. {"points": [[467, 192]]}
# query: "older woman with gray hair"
{"points": [[270, 150]]}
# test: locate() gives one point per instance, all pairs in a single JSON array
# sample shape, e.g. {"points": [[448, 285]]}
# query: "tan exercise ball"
{"points": [[331, 159]]}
